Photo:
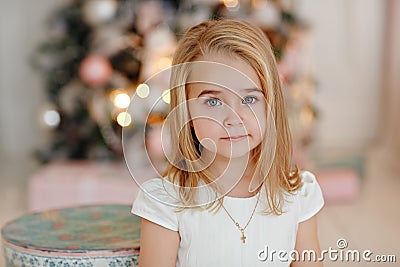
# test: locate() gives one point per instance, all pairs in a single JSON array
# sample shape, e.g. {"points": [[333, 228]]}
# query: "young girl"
{"points": [[228, 196]]}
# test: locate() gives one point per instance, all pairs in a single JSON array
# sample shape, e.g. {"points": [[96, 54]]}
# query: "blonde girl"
{"points": [[228, 196]]}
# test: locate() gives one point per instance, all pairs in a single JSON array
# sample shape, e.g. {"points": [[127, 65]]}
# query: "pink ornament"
{"points": [[95, 70]]}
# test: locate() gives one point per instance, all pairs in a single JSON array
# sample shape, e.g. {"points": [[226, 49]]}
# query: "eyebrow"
{"points": [[217, 92]]}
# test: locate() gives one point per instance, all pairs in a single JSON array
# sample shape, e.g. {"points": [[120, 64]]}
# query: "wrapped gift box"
{"points": [[73, 183], [339, 185], [87, 236]]}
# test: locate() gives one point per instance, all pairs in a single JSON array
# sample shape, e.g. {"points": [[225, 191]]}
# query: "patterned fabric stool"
{"points": [[88, 236]]}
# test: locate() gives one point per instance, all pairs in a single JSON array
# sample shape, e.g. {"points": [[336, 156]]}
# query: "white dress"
{"points": [[212, 239]]}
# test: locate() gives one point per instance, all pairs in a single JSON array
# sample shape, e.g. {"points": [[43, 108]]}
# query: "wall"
{"points": [[348, 41], [21, 93]]}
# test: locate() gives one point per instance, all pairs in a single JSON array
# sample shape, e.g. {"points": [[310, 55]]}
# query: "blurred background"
{"points": [[69, 68]]}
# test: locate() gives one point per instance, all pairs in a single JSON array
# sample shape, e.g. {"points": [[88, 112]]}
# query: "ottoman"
{"points": [[87, 236]]}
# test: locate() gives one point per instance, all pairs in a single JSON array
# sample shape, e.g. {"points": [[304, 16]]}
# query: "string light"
{"points": [[124, 119], [306, 116], [52, 118], [166, 97], [143, 90], [122, 100], [231, 3], [259, 3]]}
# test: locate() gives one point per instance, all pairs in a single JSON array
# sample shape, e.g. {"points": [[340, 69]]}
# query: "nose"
{"points": [[232, 118]]}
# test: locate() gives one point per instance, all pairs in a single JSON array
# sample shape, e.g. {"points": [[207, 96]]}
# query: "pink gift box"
{"points": [[339, 185], [75, 183]]}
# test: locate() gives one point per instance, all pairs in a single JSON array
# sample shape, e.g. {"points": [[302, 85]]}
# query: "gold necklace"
{"points": [[241, 229]]}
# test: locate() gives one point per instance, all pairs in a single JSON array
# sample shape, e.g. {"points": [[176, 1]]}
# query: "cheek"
{"points": [[205, 128], [258, 122]]}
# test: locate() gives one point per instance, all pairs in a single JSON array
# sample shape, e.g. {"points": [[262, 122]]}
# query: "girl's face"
{"points": [[226, 105]]}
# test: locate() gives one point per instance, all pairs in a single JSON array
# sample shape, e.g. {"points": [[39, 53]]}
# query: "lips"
{"points": [[235, 138]]}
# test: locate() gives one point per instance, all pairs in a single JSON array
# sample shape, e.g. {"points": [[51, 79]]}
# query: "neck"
{"points": [[233, 175]]}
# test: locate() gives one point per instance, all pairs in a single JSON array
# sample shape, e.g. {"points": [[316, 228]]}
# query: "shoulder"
{"points": [[157, 201], [309, 196], [161, 190], [309, 182]]}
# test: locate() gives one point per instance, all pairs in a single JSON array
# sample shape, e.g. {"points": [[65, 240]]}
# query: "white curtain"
{"points": [[390, 116]]}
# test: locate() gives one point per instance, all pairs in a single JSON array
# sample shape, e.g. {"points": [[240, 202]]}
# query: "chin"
{"points": [[234, 154]]}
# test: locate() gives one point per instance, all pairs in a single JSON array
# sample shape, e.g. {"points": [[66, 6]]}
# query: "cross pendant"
{"points": [[243, 238]]}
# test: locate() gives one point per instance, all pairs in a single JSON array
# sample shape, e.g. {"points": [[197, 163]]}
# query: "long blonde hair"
{"points": [[241, 39]]}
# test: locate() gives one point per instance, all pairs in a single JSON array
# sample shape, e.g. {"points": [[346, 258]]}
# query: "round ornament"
{"points": [[95, 70], [96, 12]]}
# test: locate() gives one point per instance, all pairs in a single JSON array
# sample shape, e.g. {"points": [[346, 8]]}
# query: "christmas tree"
{"points": [[99, 52]]}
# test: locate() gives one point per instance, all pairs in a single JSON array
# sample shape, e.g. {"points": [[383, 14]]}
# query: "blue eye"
{"points": [[212, 102], [249, 100]]}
